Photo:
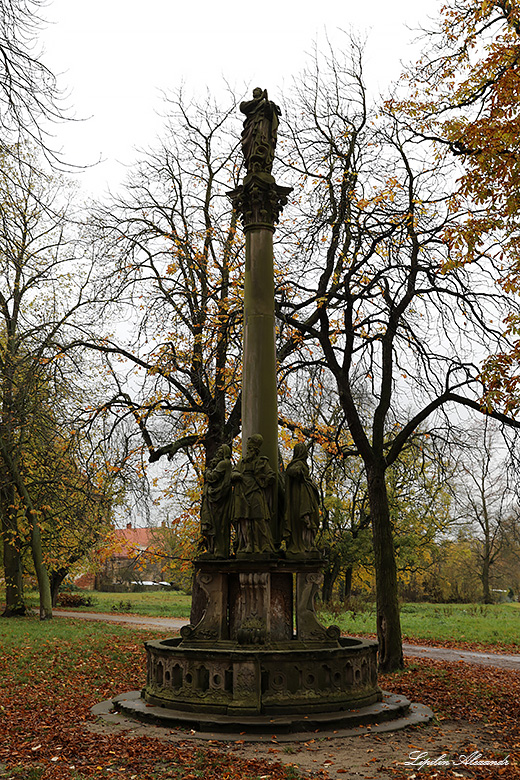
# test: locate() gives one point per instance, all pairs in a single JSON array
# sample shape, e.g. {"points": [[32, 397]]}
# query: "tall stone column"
{"points": [[259, 202], [259, 393]]}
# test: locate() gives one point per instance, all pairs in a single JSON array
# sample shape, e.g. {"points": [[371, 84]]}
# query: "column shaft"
{"points": [[259, 388]]}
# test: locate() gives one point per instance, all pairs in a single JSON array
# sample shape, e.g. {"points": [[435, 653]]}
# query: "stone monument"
{"points": [[255, 656]]}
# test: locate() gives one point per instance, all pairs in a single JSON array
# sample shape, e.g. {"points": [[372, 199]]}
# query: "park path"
{"points": [[496, 660]]}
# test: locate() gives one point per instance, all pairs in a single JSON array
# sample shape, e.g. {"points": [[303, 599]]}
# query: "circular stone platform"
{"points": [[256, 660], [391, 714]]}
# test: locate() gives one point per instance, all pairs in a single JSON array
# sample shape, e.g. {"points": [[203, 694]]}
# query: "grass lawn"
{"points": [[51, 673], [483, 625], [164, 603]]}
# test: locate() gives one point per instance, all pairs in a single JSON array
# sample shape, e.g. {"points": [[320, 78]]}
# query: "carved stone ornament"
{"points": [[259, 200], [309, 628]]}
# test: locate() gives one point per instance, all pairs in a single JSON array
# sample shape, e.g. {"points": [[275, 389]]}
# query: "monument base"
{"points": [[286, 679], [255, 646], [392, 713]]}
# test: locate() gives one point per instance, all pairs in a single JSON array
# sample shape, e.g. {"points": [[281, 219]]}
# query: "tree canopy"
{"points": [[463, 97]]}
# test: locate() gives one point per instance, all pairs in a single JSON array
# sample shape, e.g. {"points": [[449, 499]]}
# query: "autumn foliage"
{"points": [[46, 713], [464, 96]]}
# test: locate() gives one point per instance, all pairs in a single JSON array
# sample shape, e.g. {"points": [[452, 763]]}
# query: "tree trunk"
{"points": [[14, 601], [487, 549], [348, 583], [485, 578], [56, 578], [36, 542], [44, 585], [330, 575], [388, 620]]}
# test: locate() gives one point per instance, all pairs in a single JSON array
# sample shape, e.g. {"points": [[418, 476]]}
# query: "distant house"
{"points": [[133, 561]]}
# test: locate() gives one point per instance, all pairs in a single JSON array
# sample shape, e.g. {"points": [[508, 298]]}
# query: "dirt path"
{"points": [[167, 624], [497, 660]]}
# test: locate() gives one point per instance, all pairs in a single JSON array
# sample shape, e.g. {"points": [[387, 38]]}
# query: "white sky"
{"points": [[115, 57]]}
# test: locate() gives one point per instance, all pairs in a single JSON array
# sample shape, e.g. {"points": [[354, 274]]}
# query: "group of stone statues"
{"points": [[248, 498]]}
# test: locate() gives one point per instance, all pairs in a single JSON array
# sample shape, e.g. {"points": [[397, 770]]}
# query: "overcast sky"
{"points": [[116, 56]]}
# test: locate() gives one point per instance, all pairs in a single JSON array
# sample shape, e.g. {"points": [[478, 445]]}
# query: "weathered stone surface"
{"points": [[308, 628], [254, 486], [302, 514], [259, 201], [393, 712], [216, 507], [213, 624], [260, 131], [281, 607], [262, 681], [257, 594], [245, 656]]}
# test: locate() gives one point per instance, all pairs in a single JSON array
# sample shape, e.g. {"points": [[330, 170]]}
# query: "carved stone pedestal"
{"points": [[256, 647]]}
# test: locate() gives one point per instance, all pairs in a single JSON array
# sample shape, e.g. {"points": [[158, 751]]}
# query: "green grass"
{"points": [[166, 603], [484, 623], [26, 633], [31, 643], [495, 624]]}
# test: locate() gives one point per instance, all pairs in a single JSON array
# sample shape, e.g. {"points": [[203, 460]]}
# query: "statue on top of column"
{"points": [[260, 131]]}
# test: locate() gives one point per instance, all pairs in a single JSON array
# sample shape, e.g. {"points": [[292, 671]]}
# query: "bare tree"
{"points": [[29, 95], [169, 260], [370, 285], [485, 499]]}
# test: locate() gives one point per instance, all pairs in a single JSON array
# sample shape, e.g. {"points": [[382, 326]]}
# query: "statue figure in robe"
{"points": [[217, 504], [260, 131], [302, 514], [253, 480]]}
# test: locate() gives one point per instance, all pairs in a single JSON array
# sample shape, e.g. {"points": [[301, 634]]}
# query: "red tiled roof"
{"points": [[136, 538], [85, 581]]}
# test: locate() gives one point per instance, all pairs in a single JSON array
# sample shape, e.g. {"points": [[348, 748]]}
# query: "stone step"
{"points": [[392, 713]]}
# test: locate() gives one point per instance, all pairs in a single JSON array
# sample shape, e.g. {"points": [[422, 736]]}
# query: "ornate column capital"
{"points": [[259, 201]]}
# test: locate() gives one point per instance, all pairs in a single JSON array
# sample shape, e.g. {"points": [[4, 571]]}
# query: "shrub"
{"points": [[74, 600], [122, 606]]}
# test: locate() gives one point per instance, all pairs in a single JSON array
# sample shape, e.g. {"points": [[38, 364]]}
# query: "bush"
{"points": [[74, 600], [122, 606], [69, 586]]}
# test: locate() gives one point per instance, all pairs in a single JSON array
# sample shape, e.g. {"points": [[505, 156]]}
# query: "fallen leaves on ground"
{"points": [[478, 647], [46, 691], [459, 691], [44, 711]]}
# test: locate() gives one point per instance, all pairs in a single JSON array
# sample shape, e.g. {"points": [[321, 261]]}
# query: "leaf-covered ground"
{"points": [[486, 697], [48, 683], [46, 691]]}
